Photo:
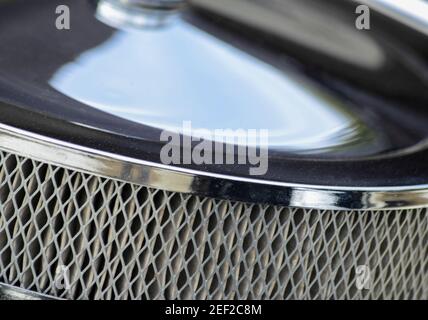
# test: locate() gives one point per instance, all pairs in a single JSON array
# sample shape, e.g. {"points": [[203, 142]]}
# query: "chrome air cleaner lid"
{"points": [[343, 106], [161, 72]]}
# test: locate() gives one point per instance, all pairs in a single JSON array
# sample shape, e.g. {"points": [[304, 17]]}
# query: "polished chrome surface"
{"points": [[201, 183], [344, 107], [155, 4], [180, 73], [81, 185], [307, 23], [411, 12], [137, 14], [8, 292], [171, 75]]}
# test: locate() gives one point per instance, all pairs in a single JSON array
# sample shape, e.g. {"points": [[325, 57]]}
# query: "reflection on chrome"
{"points": [[307, 22], [164, 81], [414, 13], [124, 13], [177, 179], [8, 292]]}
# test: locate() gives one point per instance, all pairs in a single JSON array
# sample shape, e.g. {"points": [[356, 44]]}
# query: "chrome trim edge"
{"points": [[8, 292], [175, 179]]}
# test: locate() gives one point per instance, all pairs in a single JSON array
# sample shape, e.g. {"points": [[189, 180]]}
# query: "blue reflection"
{"points": [[166, 76]]}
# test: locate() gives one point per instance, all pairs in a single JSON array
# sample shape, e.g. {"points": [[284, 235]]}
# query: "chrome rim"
{"points": [[205, 184], [8, 292]]}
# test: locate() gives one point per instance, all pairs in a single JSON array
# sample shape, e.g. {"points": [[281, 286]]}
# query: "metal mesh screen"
{"points": [[116, 240]]}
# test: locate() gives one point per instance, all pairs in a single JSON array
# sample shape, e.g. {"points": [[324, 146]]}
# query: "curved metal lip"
{"points": [[8, 292], [174, 179]]}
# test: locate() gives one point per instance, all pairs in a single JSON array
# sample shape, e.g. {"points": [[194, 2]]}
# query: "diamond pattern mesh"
{"points": [[117, 240]]}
